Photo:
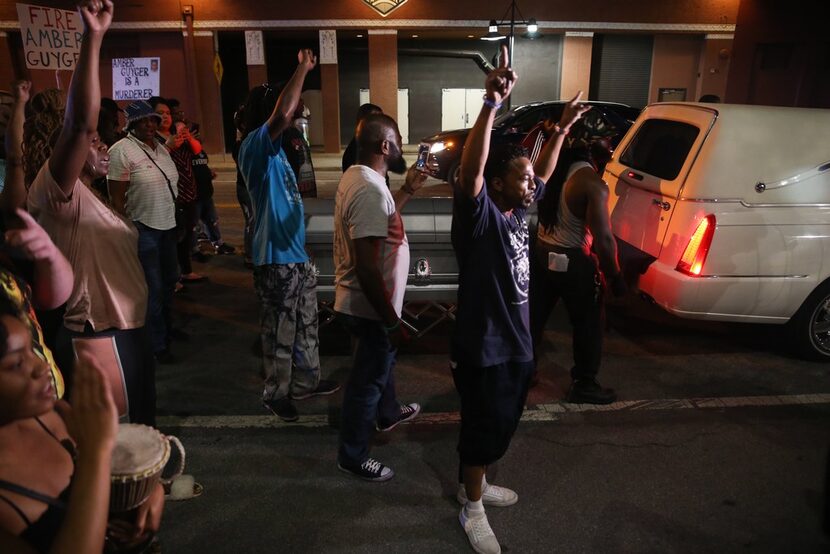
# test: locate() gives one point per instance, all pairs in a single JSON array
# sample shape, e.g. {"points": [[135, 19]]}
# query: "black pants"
{"points": [[138, 367], [188, 217], [581, 287], [492, 401]]}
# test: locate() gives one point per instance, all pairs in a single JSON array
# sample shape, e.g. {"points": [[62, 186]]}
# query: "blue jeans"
{"points": [[157, 254], [370, 392], [208, 216]]}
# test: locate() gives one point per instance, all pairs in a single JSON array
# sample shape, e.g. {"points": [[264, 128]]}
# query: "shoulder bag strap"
{"points": [[166, 178]]}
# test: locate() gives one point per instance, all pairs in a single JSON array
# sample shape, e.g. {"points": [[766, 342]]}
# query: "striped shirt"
{"points": [[149, 198]]}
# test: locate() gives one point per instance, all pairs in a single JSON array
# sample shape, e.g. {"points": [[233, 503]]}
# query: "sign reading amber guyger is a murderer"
{"points": [[135, 78], [51, 37]]}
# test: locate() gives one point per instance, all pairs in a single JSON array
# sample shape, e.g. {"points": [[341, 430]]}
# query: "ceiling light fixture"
{"points": [[494, 34]]}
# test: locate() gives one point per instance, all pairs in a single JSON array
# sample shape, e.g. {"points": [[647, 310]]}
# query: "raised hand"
{"points": [[499, 82], [21, 91], [31, 239], [174, 141], [97, 15], [572, 112], [92, 419], [306, 59], [415, 178]]}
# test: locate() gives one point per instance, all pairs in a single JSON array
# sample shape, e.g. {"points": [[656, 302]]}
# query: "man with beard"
{"points": [[371, 258], [492, 354], [284, 278]]}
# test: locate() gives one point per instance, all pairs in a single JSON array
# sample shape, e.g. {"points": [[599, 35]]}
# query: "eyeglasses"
{"points": [[268, 90]]}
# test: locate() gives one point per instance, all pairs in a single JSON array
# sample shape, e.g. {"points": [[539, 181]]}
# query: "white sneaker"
{"points": [[479, 533], [492, 495]]}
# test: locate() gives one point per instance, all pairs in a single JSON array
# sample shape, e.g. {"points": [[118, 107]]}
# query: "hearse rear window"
{"points": [[660, 147]]}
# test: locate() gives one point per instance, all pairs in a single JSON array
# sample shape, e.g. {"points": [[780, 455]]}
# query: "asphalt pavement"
{"points": [[718, 443]]}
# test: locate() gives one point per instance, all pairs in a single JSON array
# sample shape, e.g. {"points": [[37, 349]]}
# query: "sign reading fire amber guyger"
{"points": [[385, 7], [51, 37]]}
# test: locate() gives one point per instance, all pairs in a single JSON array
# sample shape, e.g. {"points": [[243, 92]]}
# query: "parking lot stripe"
{"points": [[540, 413]]}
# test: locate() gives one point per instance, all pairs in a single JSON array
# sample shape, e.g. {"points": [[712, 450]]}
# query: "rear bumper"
{"points": [[738, 299]]}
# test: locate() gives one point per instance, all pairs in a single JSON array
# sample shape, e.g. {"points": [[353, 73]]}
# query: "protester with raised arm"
{"points": [[284, 277], [492, 354]]}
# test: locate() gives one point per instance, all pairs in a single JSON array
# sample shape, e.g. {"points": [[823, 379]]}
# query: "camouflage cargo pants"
{"points": [[288, 326]]}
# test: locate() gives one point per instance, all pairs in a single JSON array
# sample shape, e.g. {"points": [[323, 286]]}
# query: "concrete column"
{"points": [[213, 136], [383, 70], [330, 82], [577, 48], [194, 104]]}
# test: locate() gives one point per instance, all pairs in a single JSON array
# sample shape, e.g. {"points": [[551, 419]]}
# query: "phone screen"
{"points": [[423, 154]]}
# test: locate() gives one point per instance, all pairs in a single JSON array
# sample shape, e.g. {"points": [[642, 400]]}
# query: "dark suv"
{"points": [[607, 120]]}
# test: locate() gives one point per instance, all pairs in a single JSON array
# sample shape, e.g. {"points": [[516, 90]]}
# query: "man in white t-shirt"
{"points": [[371, 259]]}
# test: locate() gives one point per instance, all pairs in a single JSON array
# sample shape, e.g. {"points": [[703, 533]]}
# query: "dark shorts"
{"points": [[492, 402]]}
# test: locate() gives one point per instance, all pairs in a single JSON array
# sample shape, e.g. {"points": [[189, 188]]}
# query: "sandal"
{"points": [[192, 277], [184, 487]]}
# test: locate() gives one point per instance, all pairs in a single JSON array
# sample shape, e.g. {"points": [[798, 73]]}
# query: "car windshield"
{"points": [[509, 115]]}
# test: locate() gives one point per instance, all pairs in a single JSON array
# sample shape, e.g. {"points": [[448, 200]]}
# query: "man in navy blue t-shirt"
{"points": [[492, 354]]}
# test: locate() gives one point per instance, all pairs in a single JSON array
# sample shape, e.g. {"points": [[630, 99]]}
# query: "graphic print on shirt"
{"points": [[519, 259], [292, 192]]}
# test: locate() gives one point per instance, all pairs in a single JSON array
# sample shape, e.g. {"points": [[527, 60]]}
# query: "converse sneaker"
{"points": [[492, 495], [324, 388], [282, 408], [370, 470], [408, 413], [479, 532]]}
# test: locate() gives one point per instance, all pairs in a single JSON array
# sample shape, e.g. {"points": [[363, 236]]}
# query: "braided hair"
{"points": [[41, 130]]}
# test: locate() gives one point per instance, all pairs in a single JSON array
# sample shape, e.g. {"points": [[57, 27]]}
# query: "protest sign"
{"points": [[51, 37], [135, 78]]}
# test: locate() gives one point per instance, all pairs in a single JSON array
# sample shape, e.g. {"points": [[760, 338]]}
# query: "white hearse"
{"points": [[723, 211]]}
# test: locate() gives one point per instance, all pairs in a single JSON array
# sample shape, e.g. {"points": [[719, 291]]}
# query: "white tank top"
{"points": [[569, 231]]}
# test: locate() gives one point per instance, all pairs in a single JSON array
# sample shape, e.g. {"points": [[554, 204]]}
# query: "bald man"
{"points": [[371, 258]]}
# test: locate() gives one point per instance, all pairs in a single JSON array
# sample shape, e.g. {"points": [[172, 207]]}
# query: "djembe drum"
{"points": [[140, 454]]}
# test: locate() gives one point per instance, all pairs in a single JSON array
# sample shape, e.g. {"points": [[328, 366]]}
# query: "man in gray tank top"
{"points": [[574, 256]]}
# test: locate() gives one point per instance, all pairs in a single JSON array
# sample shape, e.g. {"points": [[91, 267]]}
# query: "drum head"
{"points": [[138, 449]]}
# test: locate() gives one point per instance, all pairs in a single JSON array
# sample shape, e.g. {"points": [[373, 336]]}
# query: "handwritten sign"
{"points": [[254, 49], [51, 37], [135, 78], [328, 47]]}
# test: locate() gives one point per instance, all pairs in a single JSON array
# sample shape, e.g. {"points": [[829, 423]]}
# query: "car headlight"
{"points": [[439, 147]]}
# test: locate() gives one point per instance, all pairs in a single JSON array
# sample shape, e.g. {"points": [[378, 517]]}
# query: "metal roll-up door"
{"points": [[621, 68]]}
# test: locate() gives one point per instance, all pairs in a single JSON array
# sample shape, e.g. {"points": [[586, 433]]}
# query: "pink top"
{"points": [[109, 290]]}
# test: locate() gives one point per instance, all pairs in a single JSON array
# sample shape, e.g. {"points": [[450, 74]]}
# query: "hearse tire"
{"points": [[810, 326]]}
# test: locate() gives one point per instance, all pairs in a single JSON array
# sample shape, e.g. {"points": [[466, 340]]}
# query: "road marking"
{"points": [[541, 412]]}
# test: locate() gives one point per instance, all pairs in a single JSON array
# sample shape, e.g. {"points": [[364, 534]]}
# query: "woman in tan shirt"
{"points": [[107, 308]]}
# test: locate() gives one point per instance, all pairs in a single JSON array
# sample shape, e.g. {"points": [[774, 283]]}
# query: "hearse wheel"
{"points": [[810, 326]]}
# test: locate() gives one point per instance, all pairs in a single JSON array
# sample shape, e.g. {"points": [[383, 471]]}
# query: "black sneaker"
{"points": [[408, 413], [225, 249], [370, 470], [588, 391], [324, 388], [282, 408]]}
